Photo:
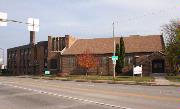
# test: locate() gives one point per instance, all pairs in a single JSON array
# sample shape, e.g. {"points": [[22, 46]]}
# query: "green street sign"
{"points": [[114, 57]]}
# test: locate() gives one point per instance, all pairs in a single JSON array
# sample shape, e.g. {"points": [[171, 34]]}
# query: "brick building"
{"points": [[34, 58], [58, 54], [136, 47]]}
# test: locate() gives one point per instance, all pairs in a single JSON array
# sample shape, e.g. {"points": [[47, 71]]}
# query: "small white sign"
{"points": [[137, 70], [47, 72], [2, 67], [33, 24], [3, 19], [114, 61]]}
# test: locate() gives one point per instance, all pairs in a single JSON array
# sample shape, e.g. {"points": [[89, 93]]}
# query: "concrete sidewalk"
{"points": [[161, 80]]}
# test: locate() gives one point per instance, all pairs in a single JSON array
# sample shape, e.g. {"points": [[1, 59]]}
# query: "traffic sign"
{"points": [[114, 57]]}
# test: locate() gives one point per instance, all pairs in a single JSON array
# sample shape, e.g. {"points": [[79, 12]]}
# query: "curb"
{"points": [[99, 81], [79, 80], [175, 85], [106, 81]]}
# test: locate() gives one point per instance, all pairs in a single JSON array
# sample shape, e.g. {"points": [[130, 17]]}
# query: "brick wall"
{"points": [[19, 59], [104, 67], [42, 50], [55, 47]]}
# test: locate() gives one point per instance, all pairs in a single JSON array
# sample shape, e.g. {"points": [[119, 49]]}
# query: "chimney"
{"points": [[69, 40], [32, 37]]}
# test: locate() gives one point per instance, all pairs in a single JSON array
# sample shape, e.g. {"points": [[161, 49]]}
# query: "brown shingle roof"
{"points": [[150, 43]]}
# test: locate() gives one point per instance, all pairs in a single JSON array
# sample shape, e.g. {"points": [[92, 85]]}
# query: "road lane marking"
{"points": [[68, 97], [57, 86], [91, 85], [29, 89], [106, 92]]}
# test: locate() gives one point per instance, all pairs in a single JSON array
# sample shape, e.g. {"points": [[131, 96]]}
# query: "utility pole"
{"points": [[114, 61], [3, 54]]}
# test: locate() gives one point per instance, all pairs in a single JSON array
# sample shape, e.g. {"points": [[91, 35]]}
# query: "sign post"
{"points": [[114, 59]]}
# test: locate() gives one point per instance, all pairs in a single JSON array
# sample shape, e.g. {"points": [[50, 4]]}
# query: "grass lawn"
{"points": [[173, 78], [118, 78]]}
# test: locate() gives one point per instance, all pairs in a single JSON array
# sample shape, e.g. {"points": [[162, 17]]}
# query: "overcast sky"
{"points": [[85, 18]]}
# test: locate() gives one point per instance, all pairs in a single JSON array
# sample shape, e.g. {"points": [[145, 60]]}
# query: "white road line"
{"points": [[44, 92], [75, 98], [11, 82], [29, 89], [20, 87], [15, 86], [60, 95], [49, 93], [68, 97], [55, 94], [91, 85], [36, 80]]}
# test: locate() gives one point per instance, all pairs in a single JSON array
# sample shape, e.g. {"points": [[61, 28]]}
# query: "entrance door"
{"points": [[158, 66]]}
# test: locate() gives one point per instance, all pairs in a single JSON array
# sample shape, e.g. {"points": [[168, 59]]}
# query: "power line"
{"points": [[162, 11]]}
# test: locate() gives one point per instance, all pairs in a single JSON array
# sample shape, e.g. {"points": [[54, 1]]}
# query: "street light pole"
{"points": [[3, 54], [114, 63]]}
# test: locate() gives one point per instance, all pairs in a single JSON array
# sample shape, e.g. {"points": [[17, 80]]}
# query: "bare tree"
{"points": [[171, 36], [169, 31]]}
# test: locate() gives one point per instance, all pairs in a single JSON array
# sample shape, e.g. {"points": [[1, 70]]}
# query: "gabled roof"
{"points": [[151, 43], [145, 58]]}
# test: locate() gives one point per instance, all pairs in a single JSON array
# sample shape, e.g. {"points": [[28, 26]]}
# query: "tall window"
{"points": [[63, 43], [28, 63], [103, 61], [57, 44], [29, 51], [24, 51], [21, 52], [72, 61], [45, 63], [52, 44], [128, 60], [15, 65], [24, 65], [53, 63], [15, 53], [45, 51], [12, 54], [9, 55]]}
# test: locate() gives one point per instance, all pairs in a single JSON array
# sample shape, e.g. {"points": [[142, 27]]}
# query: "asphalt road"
{"points": [[27, 93]]}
